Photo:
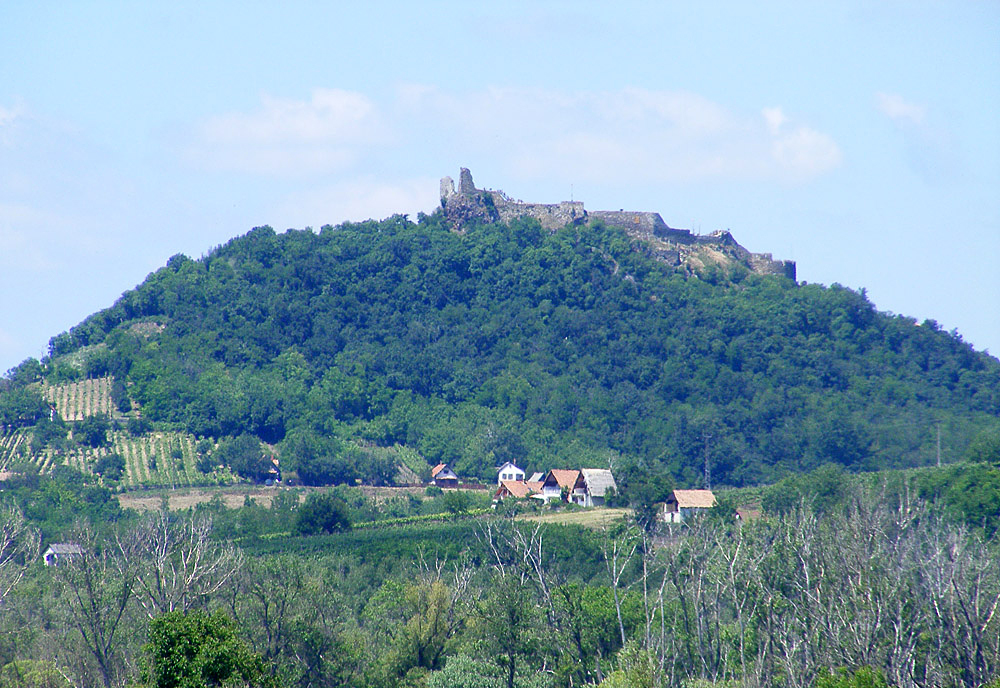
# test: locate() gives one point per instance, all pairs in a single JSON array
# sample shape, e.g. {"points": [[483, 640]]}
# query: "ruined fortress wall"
{"points": [[650, 224], [551, 216], [467, 204]]}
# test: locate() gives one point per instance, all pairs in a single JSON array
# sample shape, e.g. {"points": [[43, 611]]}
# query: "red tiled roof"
{"points": [[518, 488], [565, 477]]}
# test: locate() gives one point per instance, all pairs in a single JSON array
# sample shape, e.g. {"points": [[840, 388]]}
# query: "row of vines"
{"points": [[78, 400], [161, 459]]}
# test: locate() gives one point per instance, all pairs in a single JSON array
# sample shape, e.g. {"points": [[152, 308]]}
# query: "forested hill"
{"points": [[510, 342]]}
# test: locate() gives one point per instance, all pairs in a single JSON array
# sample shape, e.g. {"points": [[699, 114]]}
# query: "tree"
{"points": [[98, 587], [245, 457], [182, 565], [29, 673], [322, 512], [93, 431], [197, 650], [110, 466], [19, 545]]}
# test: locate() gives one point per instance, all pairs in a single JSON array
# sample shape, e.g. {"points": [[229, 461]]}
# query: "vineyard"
{"points": [[78, 400], [159, 459]]}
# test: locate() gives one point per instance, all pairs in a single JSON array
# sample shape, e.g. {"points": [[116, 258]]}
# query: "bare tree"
{"points": [[182, 565], [98, 587], [19, 547]]}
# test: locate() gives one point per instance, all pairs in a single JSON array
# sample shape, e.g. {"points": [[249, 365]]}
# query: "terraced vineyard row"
{"points": [[10, 445], [161, 459], [78, 400]]}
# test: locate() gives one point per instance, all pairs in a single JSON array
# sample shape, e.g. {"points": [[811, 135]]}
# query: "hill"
{"points": [[485, 338]]}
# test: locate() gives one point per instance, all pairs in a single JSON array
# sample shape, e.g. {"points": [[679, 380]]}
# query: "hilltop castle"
{"points": [[674, 246]]}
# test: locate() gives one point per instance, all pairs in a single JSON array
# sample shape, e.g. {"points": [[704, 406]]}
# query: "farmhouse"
{"points": [[443, 476], [586, 487], [683, 504], [509, 471], [597, 483], [560, 483], [61, 553], [519, 489]]}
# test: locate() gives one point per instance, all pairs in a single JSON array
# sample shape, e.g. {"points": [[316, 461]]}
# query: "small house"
{"points": [[683, 504], [443, 476], [61, 553], [518, 489], [597, 483], [563, 484], [509, 471]]}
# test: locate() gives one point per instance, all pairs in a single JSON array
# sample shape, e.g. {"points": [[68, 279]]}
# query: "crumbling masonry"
{"points": [[674, 246]]}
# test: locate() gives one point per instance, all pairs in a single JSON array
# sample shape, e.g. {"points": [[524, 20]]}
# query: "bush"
{"points": [[111, 466], [322, 513], [245, 457]]}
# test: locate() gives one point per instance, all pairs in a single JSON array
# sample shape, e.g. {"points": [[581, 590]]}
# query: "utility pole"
{"points": [[708, 468], [939, 444]]}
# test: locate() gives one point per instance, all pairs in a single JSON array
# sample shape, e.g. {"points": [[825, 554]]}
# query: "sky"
{"points": [[860, 139]]}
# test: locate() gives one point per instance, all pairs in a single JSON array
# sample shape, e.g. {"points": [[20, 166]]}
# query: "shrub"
{"points": [[322, 513]]}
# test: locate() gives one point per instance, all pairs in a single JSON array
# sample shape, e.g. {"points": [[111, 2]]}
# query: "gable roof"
{"points": [[442, 467], [598, 481], [694, 499], [564, 477], [512, 465], [64, 548], [519, 488]]}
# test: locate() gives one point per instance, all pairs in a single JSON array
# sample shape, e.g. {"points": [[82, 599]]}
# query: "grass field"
{"points": [[588, 518]]}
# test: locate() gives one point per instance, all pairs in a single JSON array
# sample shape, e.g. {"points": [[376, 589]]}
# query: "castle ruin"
{"points": [[674, 246]]}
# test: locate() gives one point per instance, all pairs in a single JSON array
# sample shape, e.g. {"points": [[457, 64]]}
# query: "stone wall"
{"points": [[672, 246]]}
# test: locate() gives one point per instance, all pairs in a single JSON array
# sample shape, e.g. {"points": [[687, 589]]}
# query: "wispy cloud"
{"points": [[630, 133], [603, 136], [290, 137], [361, 198], [899, 110], [930, 151], [9, 115]]}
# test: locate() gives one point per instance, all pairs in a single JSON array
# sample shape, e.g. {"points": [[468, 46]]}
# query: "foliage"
{"points": [[110, 466], [322, 512], [197, 650], [864, 677], [969, 493], [28, 673], [508, 342], [93, 431], [22, 406], [245, 457]]}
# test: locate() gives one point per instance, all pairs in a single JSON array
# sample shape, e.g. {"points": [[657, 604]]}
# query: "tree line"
{"points": [[508, 342], [878, 589]]}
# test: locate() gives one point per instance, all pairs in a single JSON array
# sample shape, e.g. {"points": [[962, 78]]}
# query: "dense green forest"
{"points": [[573, 347], [844, 582]]}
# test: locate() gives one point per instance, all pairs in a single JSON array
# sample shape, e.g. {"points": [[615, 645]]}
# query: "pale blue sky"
{"points": [[860, 139]]}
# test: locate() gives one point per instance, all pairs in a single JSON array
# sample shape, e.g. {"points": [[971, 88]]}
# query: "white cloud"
{"points": [[599, 136], [899, 110], [359, 199], [8, 119], [929, 147], [623, 135], [291, 137]]}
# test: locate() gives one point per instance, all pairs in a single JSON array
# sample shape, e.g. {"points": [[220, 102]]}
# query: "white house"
{"points": [[509, 471], [683, 504], [60, 553]]}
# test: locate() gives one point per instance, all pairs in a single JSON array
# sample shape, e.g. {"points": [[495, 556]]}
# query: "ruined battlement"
{"points": [[674, 246]]}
